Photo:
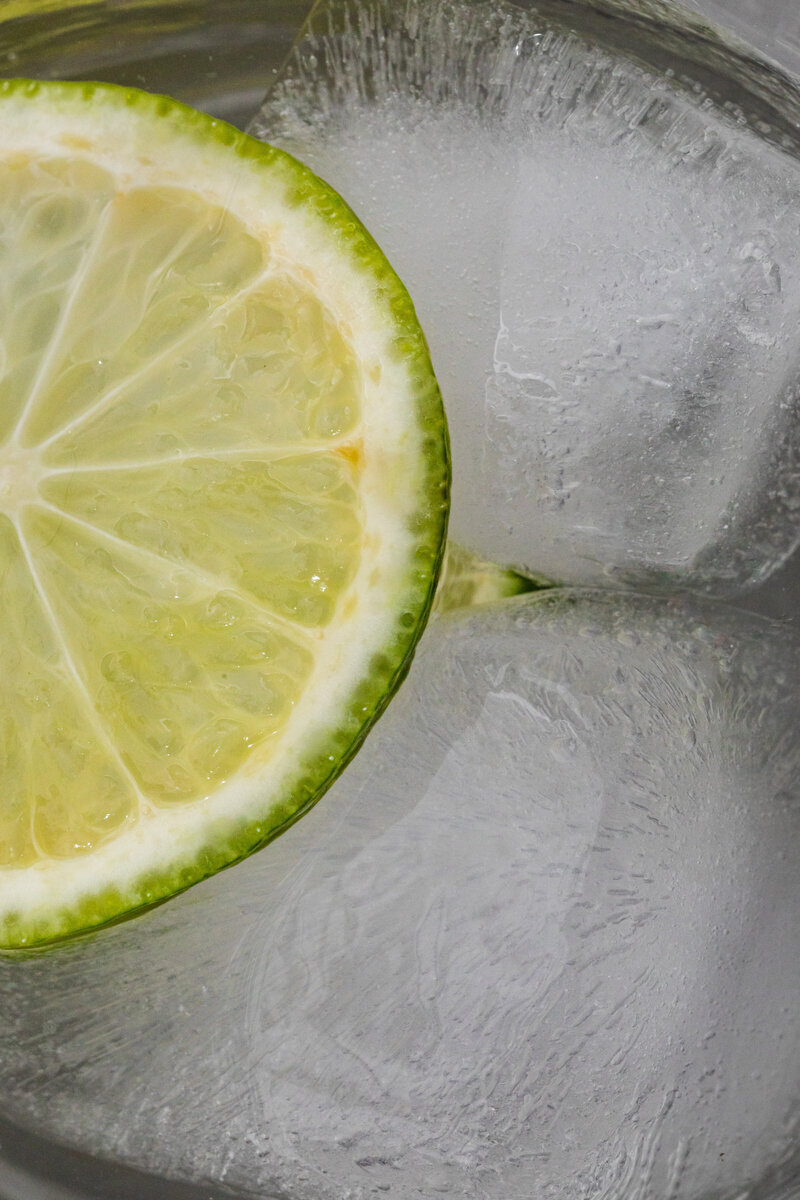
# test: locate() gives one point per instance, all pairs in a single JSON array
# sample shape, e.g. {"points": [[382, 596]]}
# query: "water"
{"points": [[540, 940], [605, 262]]}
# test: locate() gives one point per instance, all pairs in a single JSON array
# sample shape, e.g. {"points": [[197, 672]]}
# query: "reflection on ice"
{"points": [[539, 940]]}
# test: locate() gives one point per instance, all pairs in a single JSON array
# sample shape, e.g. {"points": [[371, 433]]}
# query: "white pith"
{"points": [[162, 839]]}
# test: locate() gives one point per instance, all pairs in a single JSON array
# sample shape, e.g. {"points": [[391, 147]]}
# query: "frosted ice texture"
{"points": [[607, 267], [539, 941]]}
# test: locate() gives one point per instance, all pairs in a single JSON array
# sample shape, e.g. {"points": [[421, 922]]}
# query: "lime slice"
{"points": [[467, 579], [223, 496]]}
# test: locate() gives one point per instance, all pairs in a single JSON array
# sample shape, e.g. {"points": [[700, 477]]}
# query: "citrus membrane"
{"points": [[223, 498]]}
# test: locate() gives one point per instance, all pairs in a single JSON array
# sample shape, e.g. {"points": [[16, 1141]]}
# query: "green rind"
{"points": [[332, 752]]}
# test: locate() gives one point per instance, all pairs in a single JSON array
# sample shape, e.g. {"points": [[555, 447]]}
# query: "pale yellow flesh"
{"points": [[179, 518]]}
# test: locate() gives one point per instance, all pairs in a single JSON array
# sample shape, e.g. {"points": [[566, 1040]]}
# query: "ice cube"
{"points": [[604, 256], [540, 940]]}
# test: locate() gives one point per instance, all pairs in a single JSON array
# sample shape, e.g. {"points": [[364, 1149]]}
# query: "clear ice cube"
{"points": [[605, 256], [540, 940]]}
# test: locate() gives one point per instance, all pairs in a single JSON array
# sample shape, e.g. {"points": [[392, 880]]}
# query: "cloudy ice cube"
{"points": [[539, 940], [605, 261]]}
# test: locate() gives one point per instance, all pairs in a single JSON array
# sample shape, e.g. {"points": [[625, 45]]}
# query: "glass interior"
{"points": [[220, 56]]}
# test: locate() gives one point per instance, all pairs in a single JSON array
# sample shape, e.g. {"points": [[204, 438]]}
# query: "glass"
{"points": [[216, 57], [222, 57], [774, 29]]}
